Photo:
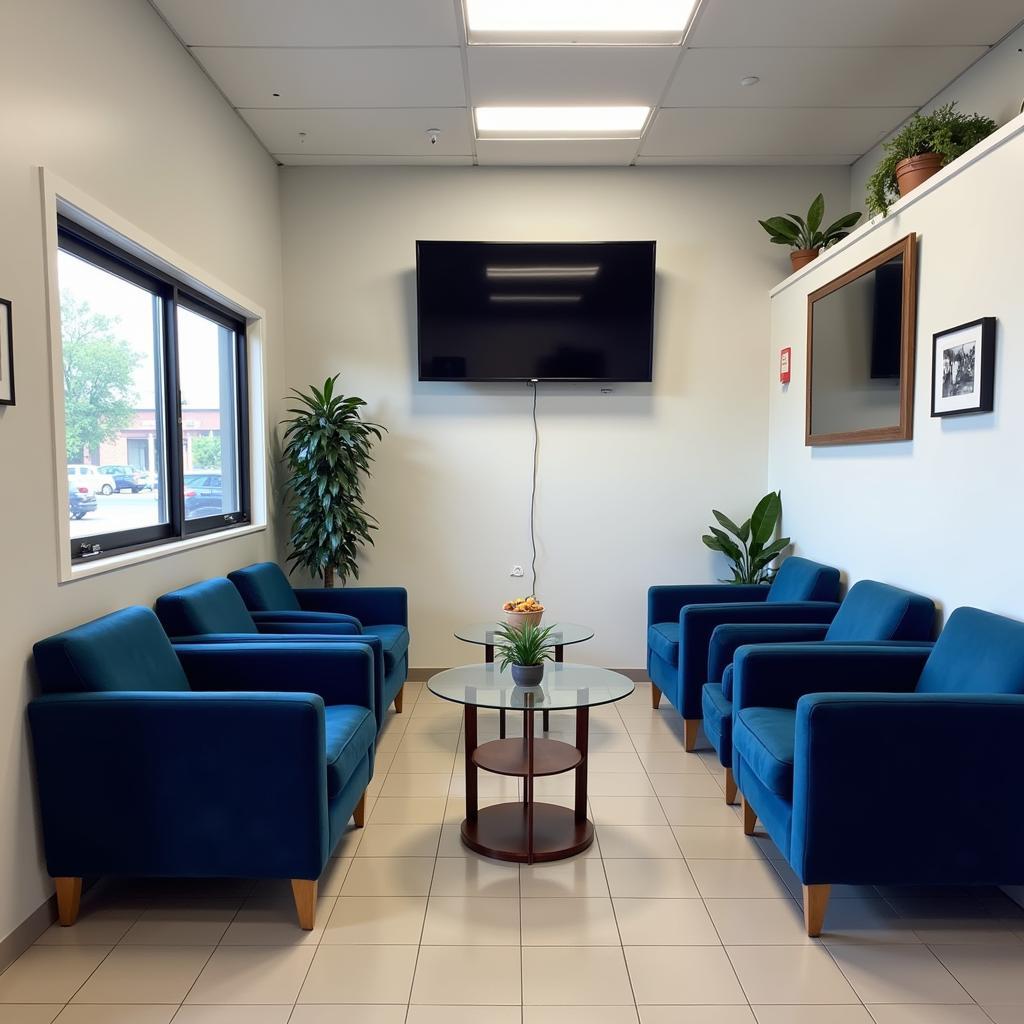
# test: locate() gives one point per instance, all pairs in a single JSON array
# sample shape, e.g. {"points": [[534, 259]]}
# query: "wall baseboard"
{"points": [[421, 675], [27, 932]]}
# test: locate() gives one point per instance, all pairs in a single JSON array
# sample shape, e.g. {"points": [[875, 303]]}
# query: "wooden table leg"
{"points": [[471, 768], [489, 659], [582, 740], [528, 781]]}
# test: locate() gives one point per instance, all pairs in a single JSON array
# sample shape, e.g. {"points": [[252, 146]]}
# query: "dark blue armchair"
{"points": [[681, 619], [871, 611], [905, 772], [213, 612], [236, 760], [373, 611]]}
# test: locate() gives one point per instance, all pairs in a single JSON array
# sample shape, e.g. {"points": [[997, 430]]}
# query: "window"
{"points": [[155, 407]]}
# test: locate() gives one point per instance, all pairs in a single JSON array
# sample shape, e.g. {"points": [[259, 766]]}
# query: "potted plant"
{"points": [[525, 648], [920, 149], [327, 453], [753, 549], [522, 610], [805, 237]]}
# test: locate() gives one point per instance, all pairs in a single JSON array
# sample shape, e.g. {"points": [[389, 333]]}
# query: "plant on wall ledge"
{"points": [[925, 144], [806, 237], [327, 453], [753, 550]]}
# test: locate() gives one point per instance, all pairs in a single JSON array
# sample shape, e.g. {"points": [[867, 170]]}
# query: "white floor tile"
{"points": [[790, 974], [575, 976], [468, 975], [252, 974], [145, 974], [360, 974], [50, 974], [899, 974], [683, 975]]}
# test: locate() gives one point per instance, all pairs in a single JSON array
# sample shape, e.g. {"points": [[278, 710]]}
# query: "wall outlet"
{"points": [[517, 570]]}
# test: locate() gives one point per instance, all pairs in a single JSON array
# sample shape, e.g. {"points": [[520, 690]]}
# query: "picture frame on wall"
{"points": [[963, 368], [6, 354]]}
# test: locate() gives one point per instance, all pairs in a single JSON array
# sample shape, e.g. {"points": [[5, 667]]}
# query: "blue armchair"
{"points": [[373, 611], [905, 772], [240, 760], [681, 619], [213, 612], [871, 611]]}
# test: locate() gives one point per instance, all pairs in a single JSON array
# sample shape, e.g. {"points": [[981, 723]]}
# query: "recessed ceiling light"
{"points": [[578, 21], [560, 122], [749, 80]]}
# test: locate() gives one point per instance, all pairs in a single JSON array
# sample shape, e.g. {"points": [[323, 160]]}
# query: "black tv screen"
{"points": [[568, 311]]}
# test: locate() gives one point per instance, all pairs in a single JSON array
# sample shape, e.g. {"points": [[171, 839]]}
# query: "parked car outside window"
{"points": [[125, 477], [82, 475], [80, 501]]}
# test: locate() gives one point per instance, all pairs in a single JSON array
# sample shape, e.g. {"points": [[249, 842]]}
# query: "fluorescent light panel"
{"points": [[558, 22], [560, 122]]}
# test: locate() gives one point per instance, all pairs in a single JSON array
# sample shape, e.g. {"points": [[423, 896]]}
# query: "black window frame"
{"points": [[173, 292]]}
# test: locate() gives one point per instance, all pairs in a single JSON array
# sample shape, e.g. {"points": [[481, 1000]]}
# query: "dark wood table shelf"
{"points": [[511, 757]]}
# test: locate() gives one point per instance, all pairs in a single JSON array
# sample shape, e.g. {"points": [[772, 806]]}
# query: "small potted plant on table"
{"points": [[525, 648], [806, 237]]}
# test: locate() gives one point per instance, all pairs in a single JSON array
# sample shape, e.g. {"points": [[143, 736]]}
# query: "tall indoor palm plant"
{"points": [[327, 452]]}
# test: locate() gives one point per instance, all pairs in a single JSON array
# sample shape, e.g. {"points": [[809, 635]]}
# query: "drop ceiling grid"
{"points": [[366, 81]]}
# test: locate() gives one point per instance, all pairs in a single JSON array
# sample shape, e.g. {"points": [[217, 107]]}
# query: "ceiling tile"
{"points": [[368, 77], [391, 132], [562, 75], [823, 77], [728, 132], [751, 160], [853, 22], [557, 152], [333, 160], [312, 22]]}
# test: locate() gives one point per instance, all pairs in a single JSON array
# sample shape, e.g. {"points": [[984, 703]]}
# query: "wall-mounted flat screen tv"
{"points": [[565, 311]]}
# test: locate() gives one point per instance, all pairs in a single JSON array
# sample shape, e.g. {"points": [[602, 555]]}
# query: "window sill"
{"points": [[77, 571]]}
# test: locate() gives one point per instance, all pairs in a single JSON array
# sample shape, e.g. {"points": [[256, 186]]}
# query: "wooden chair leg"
{"points": [[815, 905], [690, 727], [69, 897], [730, 787], [304, 893], [359, 814], [655, 697], [398, 700], [749, 818]]}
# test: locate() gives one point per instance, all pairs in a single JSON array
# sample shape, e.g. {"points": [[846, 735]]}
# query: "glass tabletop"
{"points": [[563, 686], [563, 633]]}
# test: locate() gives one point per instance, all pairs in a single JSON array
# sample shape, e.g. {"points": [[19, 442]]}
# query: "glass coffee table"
{"points": [[483, 634], [528, 832]]}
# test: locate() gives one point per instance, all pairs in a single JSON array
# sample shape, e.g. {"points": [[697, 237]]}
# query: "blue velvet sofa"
{"points": [[220, 760], [906, 772], [374, 611], [213, 612], [871, 611], [681, 619]]}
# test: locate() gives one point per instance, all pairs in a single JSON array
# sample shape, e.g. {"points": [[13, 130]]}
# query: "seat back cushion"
{"points": [[126, 650], [663, 639], [394, 641], [876, 611], [265, 588], [977, 652], [766, 739], [800, 579], [213, 606], [350, 732]]}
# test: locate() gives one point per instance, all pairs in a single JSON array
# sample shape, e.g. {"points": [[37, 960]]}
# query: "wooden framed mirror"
{"points": [[861, 331]]}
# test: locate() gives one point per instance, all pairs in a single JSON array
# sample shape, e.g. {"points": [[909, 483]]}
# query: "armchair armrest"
{"points": [[317, 619], [338, 671], [778, 675], [901, 788], [664, 603], [372, 606], [305, 627], [173, 783], [728, 637]]}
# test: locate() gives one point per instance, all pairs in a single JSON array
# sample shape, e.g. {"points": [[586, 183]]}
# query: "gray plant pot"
{"points": [[528, 675]]}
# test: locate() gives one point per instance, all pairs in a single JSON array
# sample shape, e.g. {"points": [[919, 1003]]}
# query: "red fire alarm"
{"points": [[785, 361]]}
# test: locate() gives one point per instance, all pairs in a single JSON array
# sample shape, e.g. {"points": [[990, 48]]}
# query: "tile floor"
{"points": [[673, 916]]}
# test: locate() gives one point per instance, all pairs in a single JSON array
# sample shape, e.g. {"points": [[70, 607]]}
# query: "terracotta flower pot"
{"points": [[520, 619], [916, 170], [801, 257]]}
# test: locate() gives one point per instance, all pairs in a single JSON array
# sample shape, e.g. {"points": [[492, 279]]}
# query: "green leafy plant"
{"points": [[523, 645], [327, 453], [945, 131], [753, 549], [798, 233]]}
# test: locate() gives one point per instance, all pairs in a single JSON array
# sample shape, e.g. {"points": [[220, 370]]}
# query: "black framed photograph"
{"points": [[963, 368], [6, 354]]}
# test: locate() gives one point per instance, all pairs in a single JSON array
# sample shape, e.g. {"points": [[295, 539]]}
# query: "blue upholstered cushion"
{"points": [[350, 732], [800, 579], [977, 652], [126, 650], [663, 639], [764, 738], [717, 710], [876, 611], [727, 682], [264, 588], [213, 606], [394, 640]]}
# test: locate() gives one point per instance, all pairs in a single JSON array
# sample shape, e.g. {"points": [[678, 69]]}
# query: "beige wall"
{"points": [[102, 94], [627, 480]]}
